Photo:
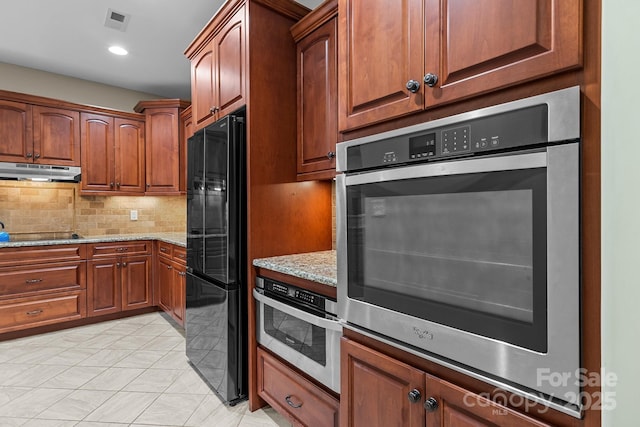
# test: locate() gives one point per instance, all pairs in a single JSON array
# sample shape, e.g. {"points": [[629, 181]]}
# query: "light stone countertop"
{"points": [[179, 239], [315, 266]]}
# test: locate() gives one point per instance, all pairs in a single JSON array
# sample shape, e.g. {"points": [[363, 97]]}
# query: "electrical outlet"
{"points": [[134, 215]]}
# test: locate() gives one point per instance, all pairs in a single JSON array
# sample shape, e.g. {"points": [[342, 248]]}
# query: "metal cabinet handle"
{"points": [[290, 403], [124, 264], [414, 395], [29, 155], [163, 249], [34, 312], [118, 264], [214, 110], [37, 156], [30, 281], [413, 86], [169, 267], [118, 184], [431, 404], [111, 184], [430, 79], [331, 155]]}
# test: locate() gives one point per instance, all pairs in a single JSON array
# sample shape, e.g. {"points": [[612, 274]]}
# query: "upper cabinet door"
{"points": [[129, 156], [97, 163], [162, 151], [56, 136], [15, 132], [229, 52], [317, 102], [202, 84], [381, 52], [482, 45]]}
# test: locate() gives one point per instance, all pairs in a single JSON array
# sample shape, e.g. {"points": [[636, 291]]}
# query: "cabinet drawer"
{"points": [[293, 395], [24, 313], [165, 249], [42, 277], [180, 254], [26, 255], [102, 250]]}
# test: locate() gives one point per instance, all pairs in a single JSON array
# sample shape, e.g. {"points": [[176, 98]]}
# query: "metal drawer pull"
{"points": [[163, 249], [30, 281], [169, 267], [293, 405], [34, 312], [182, 273]]}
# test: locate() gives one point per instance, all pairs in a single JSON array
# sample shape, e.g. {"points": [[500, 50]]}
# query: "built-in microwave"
{"points": [[459, 240]]}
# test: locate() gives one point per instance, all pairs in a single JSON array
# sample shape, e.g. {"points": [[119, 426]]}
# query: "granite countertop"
{"points": [[179, 239], [316, 266]]}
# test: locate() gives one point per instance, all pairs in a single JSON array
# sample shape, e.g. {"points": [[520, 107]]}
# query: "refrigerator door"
{"points": [[213, 339], [213, 201]]}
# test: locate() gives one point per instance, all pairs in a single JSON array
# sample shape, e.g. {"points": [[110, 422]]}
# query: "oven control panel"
{"points": [[512, 129]]}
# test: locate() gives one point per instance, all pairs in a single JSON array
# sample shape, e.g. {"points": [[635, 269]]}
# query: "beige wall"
{"points": [[30, 208], [40, 83]]}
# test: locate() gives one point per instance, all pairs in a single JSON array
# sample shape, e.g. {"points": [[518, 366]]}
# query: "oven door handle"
{"points": [[454, 167], [320, 322]]}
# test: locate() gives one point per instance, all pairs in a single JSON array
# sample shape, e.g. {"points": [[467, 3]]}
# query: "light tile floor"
{"points": [[126, 372]]}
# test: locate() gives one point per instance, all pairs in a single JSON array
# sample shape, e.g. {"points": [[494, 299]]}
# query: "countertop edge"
{"points": [[164, 237], [318, 266]]}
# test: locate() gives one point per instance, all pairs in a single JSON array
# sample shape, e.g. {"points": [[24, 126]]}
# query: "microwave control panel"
{"points": [[295, 294], [521, 128]]}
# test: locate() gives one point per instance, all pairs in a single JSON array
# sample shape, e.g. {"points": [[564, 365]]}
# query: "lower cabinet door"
{"points": [[104, 291], [458, 407], [375, 389], [293, 396], [165, 284], [136, 282], [22, 313], [179, 293]]}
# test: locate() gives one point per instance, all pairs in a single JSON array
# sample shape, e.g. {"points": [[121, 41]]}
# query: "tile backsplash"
{"points": [[30, 207]]}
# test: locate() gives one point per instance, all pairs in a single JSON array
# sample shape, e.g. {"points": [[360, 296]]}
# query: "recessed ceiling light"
{"points": [[117, 50]]}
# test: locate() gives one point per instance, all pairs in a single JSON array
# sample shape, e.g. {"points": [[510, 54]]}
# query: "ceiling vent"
{"points": [[117, 20]]}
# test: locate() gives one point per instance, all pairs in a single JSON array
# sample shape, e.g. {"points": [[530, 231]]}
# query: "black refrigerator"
{"points": [[215, 325]]}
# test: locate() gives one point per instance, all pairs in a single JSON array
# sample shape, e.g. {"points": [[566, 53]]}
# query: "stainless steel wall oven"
{"points": [[459, 240]]}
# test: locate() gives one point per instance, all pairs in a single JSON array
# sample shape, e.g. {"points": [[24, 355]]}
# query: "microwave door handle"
{"points": [[320, 322], [456, 167]]}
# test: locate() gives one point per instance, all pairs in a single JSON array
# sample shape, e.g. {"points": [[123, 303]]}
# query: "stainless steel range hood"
{"points": [[38, 172]]}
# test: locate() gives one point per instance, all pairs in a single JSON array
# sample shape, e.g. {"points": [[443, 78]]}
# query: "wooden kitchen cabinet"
{"points": [[16, 131], [317, 90], [380, 391], [113, 155], [41, 285], [171, 278], [119, 277], [218, 72], [39, 134], [163, 144], [56, 136], [304, 403], [424, 53], [188, 128]]}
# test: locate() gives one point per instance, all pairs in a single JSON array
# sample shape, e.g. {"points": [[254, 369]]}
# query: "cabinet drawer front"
{"points": [[101, 250], [180, 254], [165, 249], [292, 394], [42, 277], [37, 311], [26, 255]]}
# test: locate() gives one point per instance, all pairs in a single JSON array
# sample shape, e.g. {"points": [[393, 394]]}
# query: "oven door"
{"points": [[473, 260], [309, 341]]}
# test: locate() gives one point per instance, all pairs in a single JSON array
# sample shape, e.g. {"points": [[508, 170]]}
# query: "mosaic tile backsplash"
{"points": [[29, 208]]}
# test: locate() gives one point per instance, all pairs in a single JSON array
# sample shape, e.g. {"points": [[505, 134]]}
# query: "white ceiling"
{"points": [[69, 37]]}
